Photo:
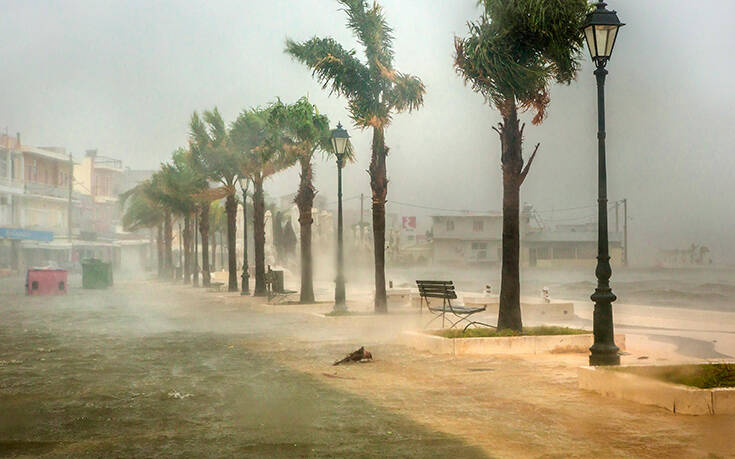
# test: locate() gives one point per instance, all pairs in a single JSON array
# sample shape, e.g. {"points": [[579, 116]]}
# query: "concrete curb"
{"points": [[676, 398], [510, 345]]}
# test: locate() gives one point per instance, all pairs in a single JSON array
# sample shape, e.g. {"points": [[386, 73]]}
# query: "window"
{"points": [[478, 226], [479, 245], [450, 225], [563, 253]]}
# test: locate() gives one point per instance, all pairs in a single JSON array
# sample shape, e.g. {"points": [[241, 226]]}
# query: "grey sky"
{"points": [[124, 77]]}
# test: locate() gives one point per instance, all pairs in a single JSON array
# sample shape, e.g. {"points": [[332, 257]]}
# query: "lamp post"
{"points": [[600, 30], [245, 275], [340, 138]]}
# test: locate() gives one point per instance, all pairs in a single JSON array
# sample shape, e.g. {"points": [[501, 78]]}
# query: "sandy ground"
{"points": [[151, 368]]}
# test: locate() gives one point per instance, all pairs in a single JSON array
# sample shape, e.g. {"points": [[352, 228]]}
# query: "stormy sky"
{"points": [[124, 77]]}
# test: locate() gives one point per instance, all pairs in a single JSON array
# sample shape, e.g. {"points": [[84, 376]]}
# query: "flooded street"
{"points": [[126, 373], [151, 368]]}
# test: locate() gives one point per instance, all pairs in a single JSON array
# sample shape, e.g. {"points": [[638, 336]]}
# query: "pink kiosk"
{"points": [[46, 281]]}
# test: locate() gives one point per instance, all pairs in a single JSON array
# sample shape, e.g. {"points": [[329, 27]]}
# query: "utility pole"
{"points": [[625, 232], [617, 226], [69, 208]]}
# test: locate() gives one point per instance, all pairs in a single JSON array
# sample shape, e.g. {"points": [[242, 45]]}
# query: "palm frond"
{"points": [[332, 65]]}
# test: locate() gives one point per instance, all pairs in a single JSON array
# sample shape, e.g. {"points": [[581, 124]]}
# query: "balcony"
{"points": [[45, 189], [11, 185]]}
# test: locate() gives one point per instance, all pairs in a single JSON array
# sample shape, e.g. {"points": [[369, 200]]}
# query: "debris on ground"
{"points": [[178, 395], [336, 376], [360, 355]]}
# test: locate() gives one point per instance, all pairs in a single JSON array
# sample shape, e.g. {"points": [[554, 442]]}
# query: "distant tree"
{"points": [[141, 210], [181, 185], [257, 137], [211, 149], [374, 90], [512, 54], [217, 225]]}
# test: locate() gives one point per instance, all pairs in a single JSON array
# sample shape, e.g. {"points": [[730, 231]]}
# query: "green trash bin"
{"points": [[96, 274]]}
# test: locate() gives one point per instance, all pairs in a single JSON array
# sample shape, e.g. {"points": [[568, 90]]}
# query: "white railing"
{"points": [[7, 181]]}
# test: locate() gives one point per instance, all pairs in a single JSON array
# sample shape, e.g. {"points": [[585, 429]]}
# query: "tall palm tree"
{"points": [[211, 149], [512, 54], [256, 134], [306, 132], [374, 90]]}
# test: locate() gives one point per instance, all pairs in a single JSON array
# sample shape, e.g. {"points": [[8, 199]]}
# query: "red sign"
{"points": [[409, 223]]}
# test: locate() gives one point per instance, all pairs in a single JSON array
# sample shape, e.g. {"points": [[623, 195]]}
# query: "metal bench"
{"points": [[445, 291], [274, 287], [216, 286]]}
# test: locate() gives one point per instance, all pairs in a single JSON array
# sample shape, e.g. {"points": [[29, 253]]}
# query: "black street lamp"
{"points": [[340, 139], [600, 30], [245, 277]]}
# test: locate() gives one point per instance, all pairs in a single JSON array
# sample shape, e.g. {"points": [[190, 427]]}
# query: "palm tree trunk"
{"points": [[214, 250], [305, 202], [204, 231], [509, 313], [168, 254], [231, 211], [187, 248], [379, 186], [159, 249], [259, 236]]}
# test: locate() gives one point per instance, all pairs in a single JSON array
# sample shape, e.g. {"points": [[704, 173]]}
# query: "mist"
{"points": [[124, 77]]}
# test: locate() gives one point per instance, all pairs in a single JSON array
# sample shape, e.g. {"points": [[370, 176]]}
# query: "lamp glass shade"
{"points": [[340, 137], [339, 144], [600, 31], [600, 40]]}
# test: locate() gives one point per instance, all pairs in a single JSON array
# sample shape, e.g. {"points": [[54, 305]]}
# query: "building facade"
{"points": [[477, 239]]}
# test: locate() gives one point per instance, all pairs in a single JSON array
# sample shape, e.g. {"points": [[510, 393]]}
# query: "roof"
{"points": [[45, 153]]}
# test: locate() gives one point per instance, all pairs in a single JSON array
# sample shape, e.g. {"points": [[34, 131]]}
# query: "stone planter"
{"points": [[507, 345], [676, 398], [556, 310]]}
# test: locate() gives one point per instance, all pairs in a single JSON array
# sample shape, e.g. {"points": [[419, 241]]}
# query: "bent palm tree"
{"points": [[512, 54], [306, 132], [257, 137], [211, 150], [140, 211], [374, 90]]}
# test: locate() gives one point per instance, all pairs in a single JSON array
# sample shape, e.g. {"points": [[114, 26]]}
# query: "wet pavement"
{"points": [[131, 372]]}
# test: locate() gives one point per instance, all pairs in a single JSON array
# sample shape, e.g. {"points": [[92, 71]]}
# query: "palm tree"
{"points": [[182, 185], [512, 54], [141, 211], [217, 225], [256, 135], [155, 192], [307, 132], [374, 90], [211, 149]]}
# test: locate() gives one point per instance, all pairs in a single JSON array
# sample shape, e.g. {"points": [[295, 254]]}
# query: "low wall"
{"points": [[676, 398], [398, 296], [502, 345], [556, 310]]}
